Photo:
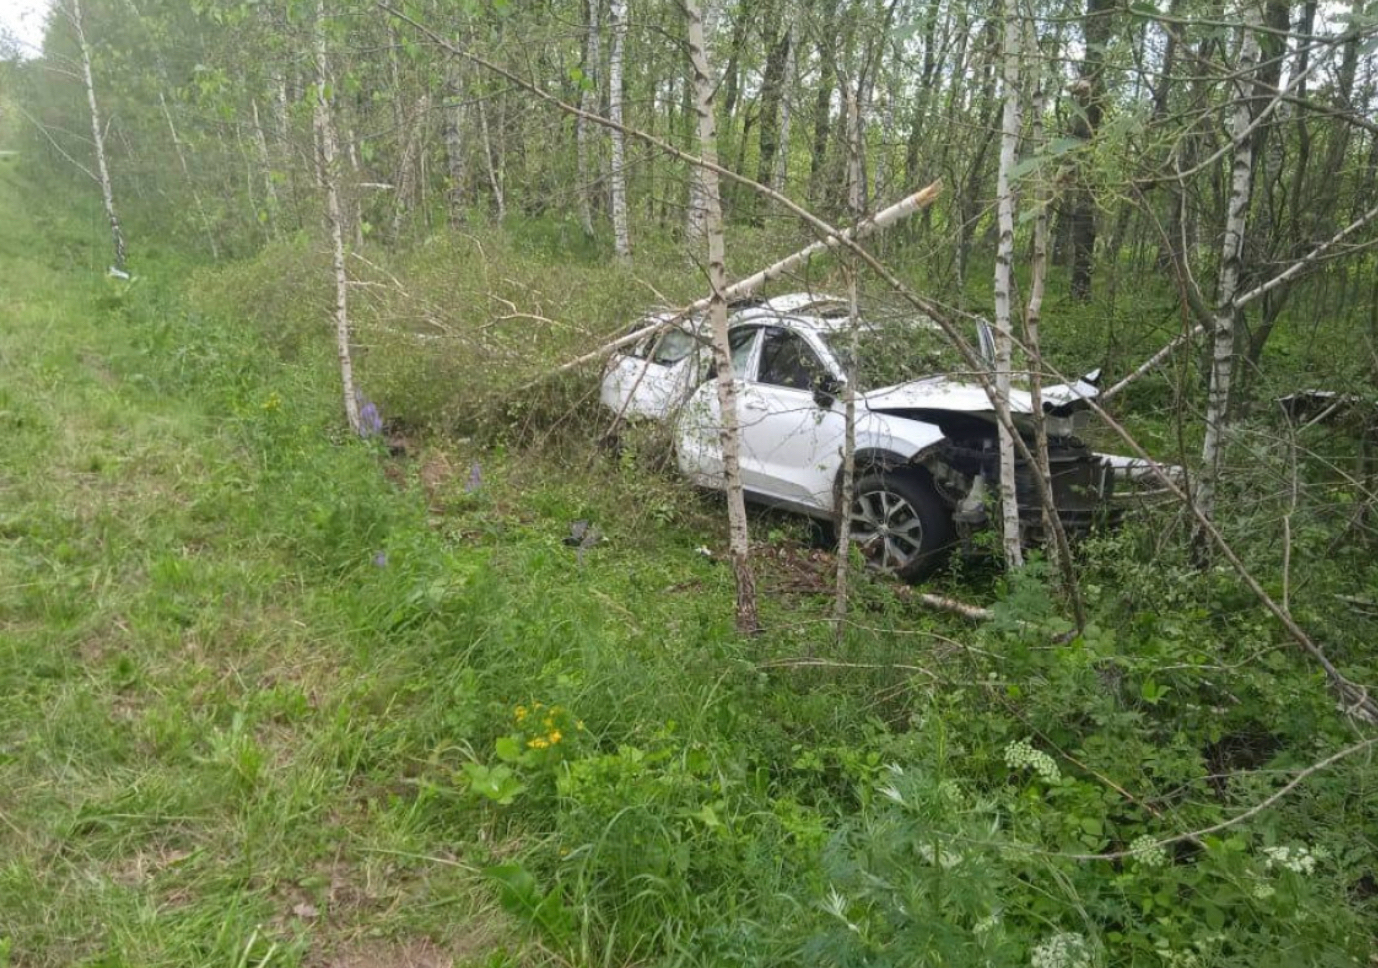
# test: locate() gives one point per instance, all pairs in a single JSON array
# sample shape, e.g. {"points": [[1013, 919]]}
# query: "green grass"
{"points": [[272, 696]]}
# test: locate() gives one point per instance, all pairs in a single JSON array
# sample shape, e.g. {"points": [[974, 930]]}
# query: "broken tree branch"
{"points": [[1306, 261], [1152, 361], [739, 290]]}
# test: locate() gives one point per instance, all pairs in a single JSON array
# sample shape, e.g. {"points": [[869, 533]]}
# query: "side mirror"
{"points": [[825, 391]]}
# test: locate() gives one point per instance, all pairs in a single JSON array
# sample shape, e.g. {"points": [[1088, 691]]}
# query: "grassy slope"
{"points": [[186, 700], [232, 731], [254, 679]]}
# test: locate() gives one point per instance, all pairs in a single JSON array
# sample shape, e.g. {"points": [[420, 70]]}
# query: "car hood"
{"points": [[944, 393]]}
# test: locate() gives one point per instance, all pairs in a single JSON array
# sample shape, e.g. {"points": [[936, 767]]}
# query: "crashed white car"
{"points": [[927, 459]]}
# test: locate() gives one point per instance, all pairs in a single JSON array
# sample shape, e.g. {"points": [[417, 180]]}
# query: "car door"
{"points": [[790, 444], [698, 432]]}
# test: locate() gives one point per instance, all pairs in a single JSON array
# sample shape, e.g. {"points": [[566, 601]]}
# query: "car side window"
{"points": [[674, 346], [787, 361], [741, 341]]}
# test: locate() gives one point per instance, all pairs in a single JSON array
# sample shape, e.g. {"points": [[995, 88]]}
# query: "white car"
{"points": [[927, 460]]}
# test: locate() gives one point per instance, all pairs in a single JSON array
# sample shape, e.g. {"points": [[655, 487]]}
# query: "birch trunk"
{"points": [[844, 511], [98, 137], [1004, 264], [1033, 314], [266, 163], [1226, 315], [622, 242], [588, 94], [454, 142], [739, 539], [330, 176], [781, 173], [494, 172]]}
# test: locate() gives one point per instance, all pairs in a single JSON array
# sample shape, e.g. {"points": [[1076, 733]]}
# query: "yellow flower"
{"points": [[555, 736], [272, 402], [539, 743], [549, 722], [520, 713]]}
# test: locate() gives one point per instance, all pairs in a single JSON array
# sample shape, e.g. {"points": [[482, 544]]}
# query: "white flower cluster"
{"points": [[1021, 755], [1146, 850], [1064, 950], [1298, 860]]}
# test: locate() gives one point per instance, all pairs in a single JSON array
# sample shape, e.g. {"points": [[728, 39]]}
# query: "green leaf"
{"points": [[497, 783], [509, 748]]}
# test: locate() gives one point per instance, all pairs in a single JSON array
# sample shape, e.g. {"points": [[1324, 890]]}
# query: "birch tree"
{"points": [[1004, 266], [107, 191], [739, 538], [330, 179], [588, 93], [848, 489], [1227, 313], [622, 241]]}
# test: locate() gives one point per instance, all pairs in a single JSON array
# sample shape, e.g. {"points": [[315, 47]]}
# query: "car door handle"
{"points": [[754, 403]]}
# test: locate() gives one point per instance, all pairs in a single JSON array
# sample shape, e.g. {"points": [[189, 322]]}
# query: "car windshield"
{"points": [[896, 350]]}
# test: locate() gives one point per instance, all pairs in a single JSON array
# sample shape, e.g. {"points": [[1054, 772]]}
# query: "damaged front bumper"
{"points": [[1090, 489]]}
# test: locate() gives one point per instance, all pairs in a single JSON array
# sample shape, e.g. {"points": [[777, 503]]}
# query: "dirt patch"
{"points": [[419, 953]]}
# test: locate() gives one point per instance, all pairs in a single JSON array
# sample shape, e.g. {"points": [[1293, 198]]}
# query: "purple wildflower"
{"points": [[475, 479], [370, 420], [380, 560]]}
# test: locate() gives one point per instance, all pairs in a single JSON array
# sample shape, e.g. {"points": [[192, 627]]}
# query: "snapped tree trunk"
{"points": [[330, 178], [1226, 314], [622, 241], [1004, 269], [98, 137], [739, 539]]}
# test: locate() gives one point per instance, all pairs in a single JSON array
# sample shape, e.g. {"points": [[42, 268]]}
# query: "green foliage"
{"points": [[253, 668]]}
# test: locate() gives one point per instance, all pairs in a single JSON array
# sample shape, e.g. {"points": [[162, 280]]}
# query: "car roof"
{"points": [[804, 310]]}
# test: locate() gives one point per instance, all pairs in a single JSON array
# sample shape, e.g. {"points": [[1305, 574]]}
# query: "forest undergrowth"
{"points": [[273, 696]]}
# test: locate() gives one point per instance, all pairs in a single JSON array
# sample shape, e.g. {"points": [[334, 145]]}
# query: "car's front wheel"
{"points": [[900, 523]]}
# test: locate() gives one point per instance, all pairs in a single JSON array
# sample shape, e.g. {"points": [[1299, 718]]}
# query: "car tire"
{"points": [[902, 525]]}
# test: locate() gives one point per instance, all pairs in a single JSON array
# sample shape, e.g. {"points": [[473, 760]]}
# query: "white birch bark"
{"points": [[844, 514], [622, 242], [330, 176], [1033, 314], [781, 173], [1004, 264], [588, 94], [1223, 324], [266, 162], [739, 539], [494, 171], [98, 137]]}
